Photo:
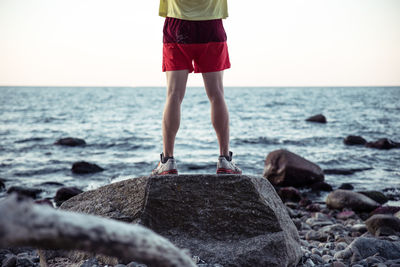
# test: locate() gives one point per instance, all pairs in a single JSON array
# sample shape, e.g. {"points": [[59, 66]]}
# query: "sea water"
{"points": [[122, 129]]}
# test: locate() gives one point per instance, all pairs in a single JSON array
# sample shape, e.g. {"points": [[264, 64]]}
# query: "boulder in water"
{"points": [[233, 220], [352, 140], [70, 141], [83, 167], [66, 193], [284, 168], [340, 199], [375, 195], [383, 143], [346, 186], [317, 118]]}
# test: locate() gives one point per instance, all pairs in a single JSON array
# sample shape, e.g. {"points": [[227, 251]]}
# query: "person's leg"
{"points": [[176, 87], [213, 82]]}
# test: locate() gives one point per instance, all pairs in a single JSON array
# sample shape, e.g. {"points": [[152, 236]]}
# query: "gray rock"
{"points": [[284, 168], [383, 224], [92, 262], [316, 235], [9, 261], [338, 264], [364, 247], [232, 220], [340, 199], [135, 264], [24, 262]]}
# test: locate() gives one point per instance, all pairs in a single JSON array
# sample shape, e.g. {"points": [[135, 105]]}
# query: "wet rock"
{"points": [[233, 220], [360, 227], [321, 186], [284, 168], [289, 194], [25, 191], [317, 118], [51, 184], [66, 193], [383, 225], [386, 210], [70, 141], [346, 186], [2, 185], [383, 143], [83, 167], [340, 199], [354, 140], [375, 195], [364, 247]]}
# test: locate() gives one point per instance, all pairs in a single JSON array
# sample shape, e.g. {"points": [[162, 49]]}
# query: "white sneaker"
{"points": [[227, 166], [169, 167]]}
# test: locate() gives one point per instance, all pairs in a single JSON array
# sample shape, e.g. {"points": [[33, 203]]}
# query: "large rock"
{"points": [[233, 220], [383, 224], [375, 195], [284, 168], [340, 199], [66, 193], [364, 247]]}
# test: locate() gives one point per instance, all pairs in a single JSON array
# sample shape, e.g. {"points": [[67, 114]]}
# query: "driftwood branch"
{"points": [[23, 223]]}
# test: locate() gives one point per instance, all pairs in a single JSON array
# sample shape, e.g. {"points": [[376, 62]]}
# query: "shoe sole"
{"points": [[168, 172], [227, 171]]}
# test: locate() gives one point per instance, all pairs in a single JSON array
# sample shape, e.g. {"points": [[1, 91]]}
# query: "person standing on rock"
{"points": [[194, 39]]}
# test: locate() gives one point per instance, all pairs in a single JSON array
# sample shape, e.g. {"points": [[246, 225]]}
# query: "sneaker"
{"points": [[165, 166], [225, 165]]}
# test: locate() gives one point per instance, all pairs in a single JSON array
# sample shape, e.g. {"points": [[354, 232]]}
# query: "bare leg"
{"points": [[176, 87], [219, 111]]}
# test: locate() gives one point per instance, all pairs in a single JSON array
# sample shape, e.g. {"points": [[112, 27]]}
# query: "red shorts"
{"points": [[194, 45]]}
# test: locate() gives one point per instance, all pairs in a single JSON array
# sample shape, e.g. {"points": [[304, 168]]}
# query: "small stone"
{"points": [[314, 207], [316, 235], [345, 215], [120, 265], [337, 264], [289, 194], [372, 260], [360, 227], [316, 258], [316, 251], [327, 258], [340, 199], [386, 210], [92, 262]]}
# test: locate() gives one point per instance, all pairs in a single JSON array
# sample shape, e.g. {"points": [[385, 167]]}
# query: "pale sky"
{"points": [[271, 43]]}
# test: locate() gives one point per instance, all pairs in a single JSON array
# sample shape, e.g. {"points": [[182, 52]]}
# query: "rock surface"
{"points": [[317, 118], [375, 195], [340, 199], [284, 168], [83, 167], [383, 225], [233, 220], [70, 141]]}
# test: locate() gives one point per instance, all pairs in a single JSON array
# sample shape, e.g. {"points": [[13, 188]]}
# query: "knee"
{"points": [[175, 96], [216, 97]]}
